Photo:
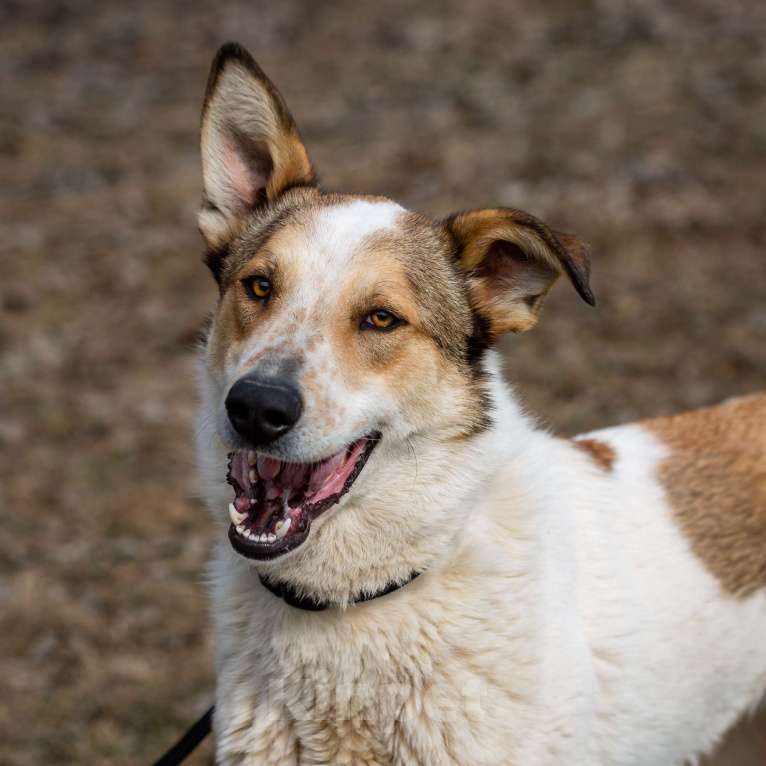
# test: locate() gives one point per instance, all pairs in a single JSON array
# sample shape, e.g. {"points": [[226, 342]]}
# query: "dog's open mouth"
{"points": [[276, 500]]}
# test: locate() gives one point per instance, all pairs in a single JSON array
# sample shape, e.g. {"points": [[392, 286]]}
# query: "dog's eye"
{"points": [[257, 288], [380, 319]]}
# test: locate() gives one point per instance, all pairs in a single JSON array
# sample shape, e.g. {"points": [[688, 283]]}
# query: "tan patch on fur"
{"points": [[367, 287], [715, 478], [602, 454], [414, 268], [227, 332], [744, 745], [311, 342], [425, 252]]}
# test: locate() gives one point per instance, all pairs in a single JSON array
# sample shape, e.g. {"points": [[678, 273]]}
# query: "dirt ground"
{"points": [[640, 126]]}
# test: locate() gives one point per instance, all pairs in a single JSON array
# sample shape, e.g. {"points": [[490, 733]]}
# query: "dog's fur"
{"points": [[595, 601]]}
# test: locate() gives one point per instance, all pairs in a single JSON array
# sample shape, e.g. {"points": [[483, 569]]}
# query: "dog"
{"points": [[407, 569]]}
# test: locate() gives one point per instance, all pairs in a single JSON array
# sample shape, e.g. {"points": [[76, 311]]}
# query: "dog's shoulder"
{"points": [[714, 475]]}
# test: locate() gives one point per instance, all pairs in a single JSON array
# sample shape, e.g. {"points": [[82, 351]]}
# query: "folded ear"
{"points": [[251, 151], [511, 260]]}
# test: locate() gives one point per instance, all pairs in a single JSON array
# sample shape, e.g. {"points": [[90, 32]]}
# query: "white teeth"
{"points": [[283, 527], [241, 530], [251, 457], [272, 537], [252, 537], [236, 517], [252, 476], [264, 538]]}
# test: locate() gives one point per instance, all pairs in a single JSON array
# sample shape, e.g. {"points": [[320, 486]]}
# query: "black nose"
{"points": [[263, 409]]}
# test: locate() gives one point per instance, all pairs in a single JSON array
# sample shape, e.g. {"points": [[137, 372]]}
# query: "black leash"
{"points": [[199, 730], [186, 745]]}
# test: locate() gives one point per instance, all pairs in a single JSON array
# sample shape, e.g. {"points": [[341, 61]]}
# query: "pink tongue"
{"points": [[324, 479], [324, 470], [343, 470], [268, 467]]}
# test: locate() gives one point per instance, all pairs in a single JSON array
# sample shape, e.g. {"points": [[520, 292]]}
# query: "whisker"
{"points": [[414, 455]]}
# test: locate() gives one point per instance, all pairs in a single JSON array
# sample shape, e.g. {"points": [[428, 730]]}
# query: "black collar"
{"points": [[290, 596]]}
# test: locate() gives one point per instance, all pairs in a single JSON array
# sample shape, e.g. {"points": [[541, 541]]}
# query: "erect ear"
{"points": [[251, 151], [511, 260]]}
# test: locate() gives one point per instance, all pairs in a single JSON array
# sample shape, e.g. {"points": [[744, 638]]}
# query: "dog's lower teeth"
{"points": [[264, 537], [283, 527]]}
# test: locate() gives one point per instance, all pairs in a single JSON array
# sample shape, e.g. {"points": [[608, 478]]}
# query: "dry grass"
{"points": [[640, 127]]}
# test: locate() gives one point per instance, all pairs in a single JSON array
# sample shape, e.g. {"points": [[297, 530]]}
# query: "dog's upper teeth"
{"points": [[268, 468], [236, 517]]}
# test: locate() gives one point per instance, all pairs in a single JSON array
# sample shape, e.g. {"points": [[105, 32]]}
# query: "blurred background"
{"points": [[641, 126]]}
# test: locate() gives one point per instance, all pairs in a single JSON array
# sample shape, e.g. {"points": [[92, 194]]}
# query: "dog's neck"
{"points": [[439, 491]]}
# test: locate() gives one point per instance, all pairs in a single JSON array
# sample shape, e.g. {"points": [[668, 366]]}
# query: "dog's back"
{"points": [[712, 471], [681, 514], [715, 479]]}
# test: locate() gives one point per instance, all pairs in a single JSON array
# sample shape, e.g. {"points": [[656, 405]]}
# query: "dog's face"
{"points": [[347, 327]]}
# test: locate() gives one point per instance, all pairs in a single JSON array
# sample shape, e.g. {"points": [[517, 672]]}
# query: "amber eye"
{"points": [[380, 319], [257, 288]]}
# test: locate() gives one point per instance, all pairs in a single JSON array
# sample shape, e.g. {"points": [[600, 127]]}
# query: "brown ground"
{"points": [[643, 130]]}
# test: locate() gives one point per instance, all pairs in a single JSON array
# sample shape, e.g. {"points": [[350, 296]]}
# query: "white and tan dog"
{"points": [[592, 601]]}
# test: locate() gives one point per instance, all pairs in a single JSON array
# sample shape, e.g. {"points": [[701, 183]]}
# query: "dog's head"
{"points": [[349, 338]]}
